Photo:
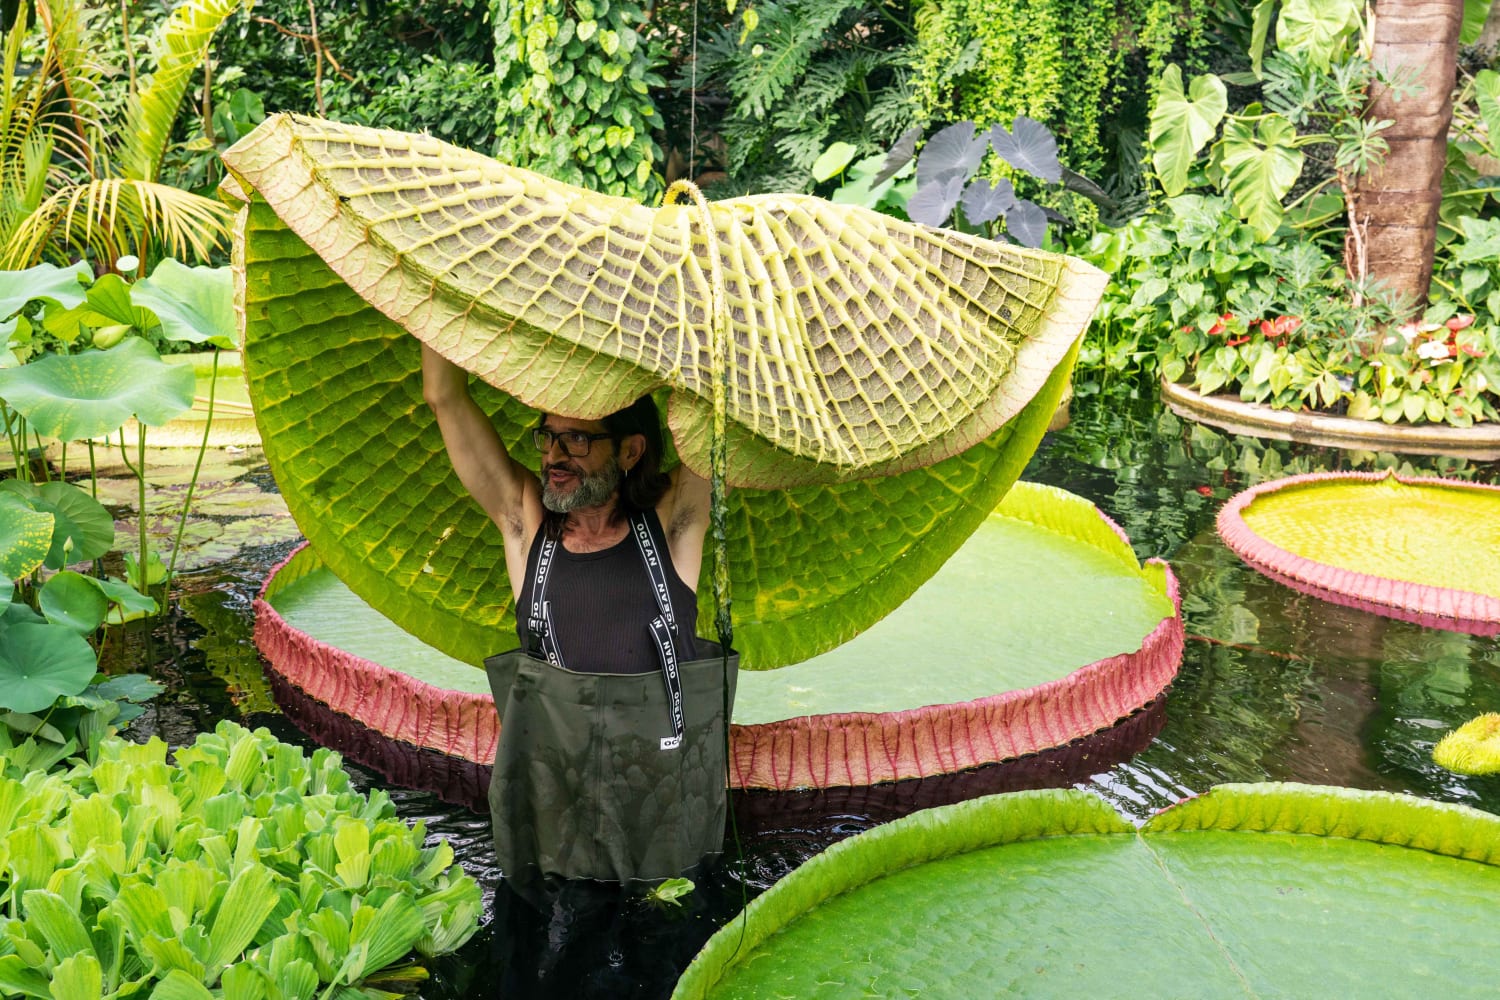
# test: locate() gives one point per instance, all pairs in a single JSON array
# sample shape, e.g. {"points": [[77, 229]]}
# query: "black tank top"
{"points": [[602, 605]]}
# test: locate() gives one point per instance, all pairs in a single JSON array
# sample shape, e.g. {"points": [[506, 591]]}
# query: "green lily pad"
{"points": [[25, 536], [1250, 890], [85, 395], [39, 662], [205, 542]]}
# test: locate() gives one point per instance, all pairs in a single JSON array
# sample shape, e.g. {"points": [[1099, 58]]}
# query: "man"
{"points": [[611, 760]]}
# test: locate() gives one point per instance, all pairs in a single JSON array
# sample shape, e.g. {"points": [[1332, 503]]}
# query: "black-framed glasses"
{"points": [[575, 444]]}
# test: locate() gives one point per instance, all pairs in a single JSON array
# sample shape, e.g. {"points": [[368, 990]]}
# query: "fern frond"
{"points": [[180, 49]]}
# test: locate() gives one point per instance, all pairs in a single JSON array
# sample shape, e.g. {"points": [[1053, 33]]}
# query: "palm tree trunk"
{"points": [[1395, 206]]}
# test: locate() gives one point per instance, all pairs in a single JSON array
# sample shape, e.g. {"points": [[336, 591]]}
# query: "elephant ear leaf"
{"points": [[884, 373]]}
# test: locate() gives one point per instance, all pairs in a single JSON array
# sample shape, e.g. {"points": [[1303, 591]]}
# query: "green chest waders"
{"points": [[608, 776]]}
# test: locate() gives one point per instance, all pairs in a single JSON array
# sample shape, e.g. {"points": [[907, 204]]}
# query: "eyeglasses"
{"points": [[575, 444]]}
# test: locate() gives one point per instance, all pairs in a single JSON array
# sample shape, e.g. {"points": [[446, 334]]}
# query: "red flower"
{"points": [[1267, 328], [1207, 491], [1471, 350], [1216, 329], [1236, 341], [1458, 323]]}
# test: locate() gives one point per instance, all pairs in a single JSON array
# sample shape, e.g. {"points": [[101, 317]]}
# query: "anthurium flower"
{"points": [[1460, 322], [1432, 350]]}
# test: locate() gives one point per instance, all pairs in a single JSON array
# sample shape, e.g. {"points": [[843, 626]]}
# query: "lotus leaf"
{"points": [[74, 601], [863, 345], [25, 536], [47, 282], [39, 662], [85, 395], [1239, 892], [193, 304], [81, 528]]}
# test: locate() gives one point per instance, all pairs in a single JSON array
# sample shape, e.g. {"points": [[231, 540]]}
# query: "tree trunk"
{"points": [[1396, 204]]}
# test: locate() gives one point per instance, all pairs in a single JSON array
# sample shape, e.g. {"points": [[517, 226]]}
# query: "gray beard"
{"points": [[592, 490]]}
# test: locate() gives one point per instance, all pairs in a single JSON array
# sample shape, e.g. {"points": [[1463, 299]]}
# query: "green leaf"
{"points": [[63, 286], [25, 537], [178, 985], [352, 841], [1487, 96], [1317, 28], [39, 663], [129, 603], [49, 915], [1476, 12], [74, 601], [19, 978], [193, 304], [1260, 24], [109, 301], [833, 159], [1181, 124], [85, 395], [1260, 168], [247, 903], [82, 530], [790, 605]]}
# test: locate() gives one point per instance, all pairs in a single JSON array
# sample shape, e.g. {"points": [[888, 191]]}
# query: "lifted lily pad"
{"points": [[971, 670], [1424, 550], [1250, 890]]}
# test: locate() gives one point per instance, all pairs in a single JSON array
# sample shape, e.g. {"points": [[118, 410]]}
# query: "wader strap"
{"points": [[539, 625], [663, 628]]}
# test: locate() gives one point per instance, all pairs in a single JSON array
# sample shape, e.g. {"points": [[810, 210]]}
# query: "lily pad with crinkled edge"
{"points": [[1248, 891]]}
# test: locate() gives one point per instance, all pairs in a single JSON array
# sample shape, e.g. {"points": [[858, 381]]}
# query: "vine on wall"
{"points": [[578, 75]]}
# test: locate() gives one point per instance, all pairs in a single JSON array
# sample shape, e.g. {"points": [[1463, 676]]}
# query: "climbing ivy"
{"points": [[578, 75], [1073, 65]]}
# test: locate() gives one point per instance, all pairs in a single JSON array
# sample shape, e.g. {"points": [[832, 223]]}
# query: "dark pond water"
{"points": [[1273, 686]]}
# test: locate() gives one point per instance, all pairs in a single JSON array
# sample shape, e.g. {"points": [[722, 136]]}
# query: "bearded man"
{"points": [[611, 763]]}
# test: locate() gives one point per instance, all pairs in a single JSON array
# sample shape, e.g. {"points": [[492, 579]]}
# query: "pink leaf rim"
{"points": [[1447, 608], [819, 751]]}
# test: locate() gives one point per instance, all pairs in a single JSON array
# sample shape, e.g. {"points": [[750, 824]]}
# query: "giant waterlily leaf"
{"points": [[1239, 893], [85, 395], [861, 344], [358, 456]]}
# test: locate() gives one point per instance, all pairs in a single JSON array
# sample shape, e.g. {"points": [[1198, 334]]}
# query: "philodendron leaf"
{"points": [[962, 332], [193, 304], [1318, 28], [1182, 123], [1260, 168], [47, 282], [39, 662], [25, 536], [358, 457], [1487, 96], [85, 395], [1029, 147]]}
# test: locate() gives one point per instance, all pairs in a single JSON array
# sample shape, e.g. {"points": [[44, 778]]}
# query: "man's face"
{"points": [[572, 482]]}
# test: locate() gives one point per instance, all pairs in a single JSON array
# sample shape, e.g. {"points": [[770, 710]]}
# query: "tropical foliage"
{"points": [[241, 867]]}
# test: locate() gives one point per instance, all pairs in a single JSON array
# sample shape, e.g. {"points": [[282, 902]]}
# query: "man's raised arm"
{"points": [[501, 485]]}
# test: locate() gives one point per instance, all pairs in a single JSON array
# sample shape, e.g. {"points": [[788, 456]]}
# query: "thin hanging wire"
{"points": [[693, 99]]}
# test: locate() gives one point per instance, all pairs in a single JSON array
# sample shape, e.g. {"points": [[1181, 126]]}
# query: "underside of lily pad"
{"points": [[861, 346], [973, 669], [1424, 550], [1249, 890]]}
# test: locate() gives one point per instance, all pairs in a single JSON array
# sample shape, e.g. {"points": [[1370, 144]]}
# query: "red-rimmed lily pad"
{"points": [[1425, 550], [1247, 891], [1002, 680]]}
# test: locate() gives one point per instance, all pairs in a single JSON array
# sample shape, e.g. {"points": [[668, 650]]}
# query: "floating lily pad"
{"points": [[1423, 550], [1250, 890], [971, 670], [205, 542]]}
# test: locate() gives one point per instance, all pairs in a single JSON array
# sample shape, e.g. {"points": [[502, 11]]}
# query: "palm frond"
{"points": [[180, 50], [108, 217]]}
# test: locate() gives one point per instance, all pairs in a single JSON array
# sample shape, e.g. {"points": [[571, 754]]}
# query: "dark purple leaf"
{"points": [[899, 156], [1093, 192], [1027, 223], [952, 152], [1030, 148], [984, 202], [933, 203]]}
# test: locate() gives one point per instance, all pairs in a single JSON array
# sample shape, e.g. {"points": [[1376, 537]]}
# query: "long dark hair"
{"points": [[644, 485]]}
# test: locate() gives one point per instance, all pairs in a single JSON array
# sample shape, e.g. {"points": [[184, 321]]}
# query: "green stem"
{"points": [[46, 471], [93, 471], [187, 504], [125, 456], [140, 510], [10, 434], [63, 474], [1460, 194]]}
